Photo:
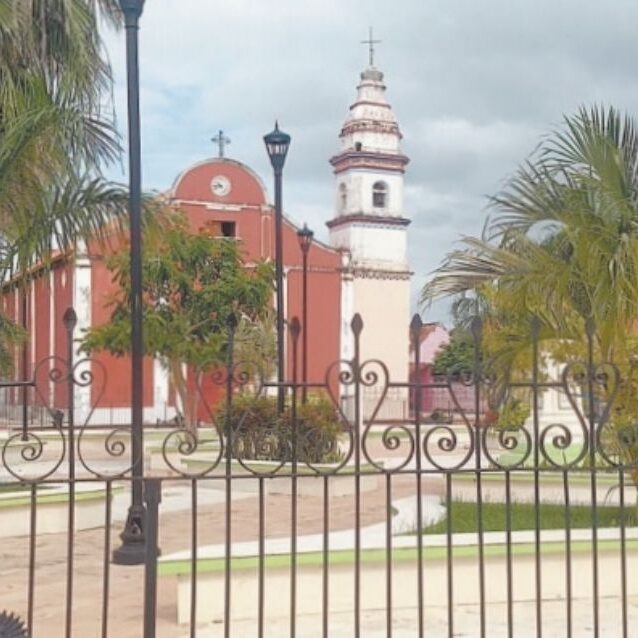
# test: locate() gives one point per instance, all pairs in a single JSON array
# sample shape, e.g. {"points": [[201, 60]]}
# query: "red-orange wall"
{"points": [[255, 230], [42, 336], [117, 393]]}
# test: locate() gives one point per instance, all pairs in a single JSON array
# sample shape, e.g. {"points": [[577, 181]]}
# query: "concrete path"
{"points": [[466, 623]]}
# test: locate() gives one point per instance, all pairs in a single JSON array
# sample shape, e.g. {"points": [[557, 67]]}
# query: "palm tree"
{"points": [[562, 239], [55, 133], [59, 40], [561, 244], [53, 79]]}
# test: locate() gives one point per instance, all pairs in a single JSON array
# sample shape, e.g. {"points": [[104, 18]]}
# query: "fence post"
{"points": [[152, 498]]}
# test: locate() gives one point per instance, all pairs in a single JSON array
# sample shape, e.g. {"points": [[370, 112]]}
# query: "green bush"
{"points": [[261, 434], [513, 414]]}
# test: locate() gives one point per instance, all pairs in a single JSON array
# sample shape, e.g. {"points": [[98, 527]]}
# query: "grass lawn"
{"points": [[523, 517]]}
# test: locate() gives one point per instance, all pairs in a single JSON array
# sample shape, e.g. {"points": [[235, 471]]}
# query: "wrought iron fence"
{"points": [[378, 536]]}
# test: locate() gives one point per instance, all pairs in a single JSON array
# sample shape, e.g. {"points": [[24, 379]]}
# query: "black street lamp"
{"points": [[304, 235], [132, 550], [277, 144]]}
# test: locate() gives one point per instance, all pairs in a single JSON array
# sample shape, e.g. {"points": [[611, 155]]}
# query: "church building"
{"points": [[362, 269]]}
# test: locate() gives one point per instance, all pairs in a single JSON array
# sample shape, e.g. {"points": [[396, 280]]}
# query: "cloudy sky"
{"points": [[475, 83]]}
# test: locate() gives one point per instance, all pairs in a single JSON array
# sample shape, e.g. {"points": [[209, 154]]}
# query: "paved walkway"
{"points": [[466, 623]]}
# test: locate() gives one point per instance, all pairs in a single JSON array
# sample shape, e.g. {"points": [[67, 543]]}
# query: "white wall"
{"points": [[359, 185], [82, 307], [384, 305], [386, 142], [372, 245]]}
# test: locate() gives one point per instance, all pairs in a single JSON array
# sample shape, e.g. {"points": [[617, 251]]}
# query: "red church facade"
{"points": [[219, 193]]}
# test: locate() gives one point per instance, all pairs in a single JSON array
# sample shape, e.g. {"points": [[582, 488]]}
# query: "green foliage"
{"points": [[55, 136], [456, 357], [256, 346], [10, 336], [192, 285], [561, 245], [58, 42], [261, 434], [513, 414]]}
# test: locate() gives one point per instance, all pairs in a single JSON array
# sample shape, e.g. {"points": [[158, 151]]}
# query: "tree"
{"points": [[59, 43], [561, 245], [256, 345], [56, 134], [457, 356], [192, 284]]}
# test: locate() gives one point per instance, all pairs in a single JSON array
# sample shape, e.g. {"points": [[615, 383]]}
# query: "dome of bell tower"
{"points": [[372, 74], [371, 124]]}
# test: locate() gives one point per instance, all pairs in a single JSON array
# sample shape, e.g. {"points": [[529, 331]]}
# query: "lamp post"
{"points": [[132, 550], [304, 235], [277, 144]]}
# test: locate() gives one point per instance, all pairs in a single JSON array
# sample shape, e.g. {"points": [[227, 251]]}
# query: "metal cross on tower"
{"points": [[371, 42], [221, 140]]}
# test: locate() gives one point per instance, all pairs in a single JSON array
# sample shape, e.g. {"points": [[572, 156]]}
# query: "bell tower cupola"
{"points": [[369, 169]]}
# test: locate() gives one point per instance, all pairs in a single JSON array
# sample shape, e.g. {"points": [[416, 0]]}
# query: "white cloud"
{"points": [[474, 85], [451, 135]]}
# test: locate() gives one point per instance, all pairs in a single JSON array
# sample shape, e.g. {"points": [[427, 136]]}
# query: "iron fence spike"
{"points": [[476, 327], [535, 327], [295, 327], [70, 319], [357, 324], [416, 324]]}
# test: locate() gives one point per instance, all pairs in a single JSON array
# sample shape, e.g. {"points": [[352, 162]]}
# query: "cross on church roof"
{"points": [[371, 42], [221, 140]]}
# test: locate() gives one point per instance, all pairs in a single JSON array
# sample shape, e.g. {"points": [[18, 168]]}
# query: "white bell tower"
{"points": [[370, 228]]}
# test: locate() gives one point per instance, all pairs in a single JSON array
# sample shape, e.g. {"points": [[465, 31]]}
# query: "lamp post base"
{"points": [[132, 551]]}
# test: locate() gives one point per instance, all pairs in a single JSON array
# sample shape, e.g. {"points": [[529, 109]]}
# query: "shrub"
{"points": [[513, 414], [261, 434]]}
